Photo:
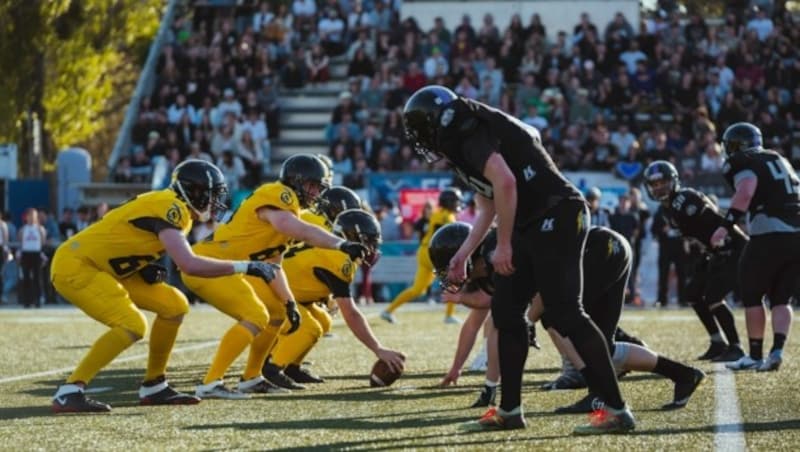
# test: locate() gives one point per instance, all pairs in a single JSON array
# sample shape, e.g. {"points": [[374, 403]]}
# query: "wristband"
{"points": [[240, 266], [731, 218]]}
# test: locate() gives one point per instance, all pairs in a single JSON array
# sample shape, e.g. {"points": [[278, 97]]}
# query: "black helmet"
{"points": [[202, 186], [336, 200], [661, 171], [741, 137], [357, 225], [421, 118], [329, 164], [450, 199], [443, 246], [300, 170]]}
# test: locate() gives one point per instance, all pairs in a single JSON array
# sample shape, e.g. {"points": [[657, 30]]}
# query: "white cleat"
{"points": [[481, 360], [773, 362], [260, 385], [452, 320], [389, 317], [744, 363], [217, 390]]}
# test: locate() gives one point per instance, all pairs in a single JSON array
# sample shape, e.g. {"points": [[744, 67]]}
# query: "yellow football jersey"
{"points": [[316, 273], [244, 235], [310, 217], [126, 238], [438, 219]]}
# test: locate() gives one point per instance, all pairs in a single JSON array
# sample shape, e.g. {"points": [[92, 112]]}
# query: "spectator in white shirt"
{"points": [[256, 126], [436, 64], [232, 168], [712, 160], [177, 110], [230, 104], [331, 32], [622, 138], [761, 24]]}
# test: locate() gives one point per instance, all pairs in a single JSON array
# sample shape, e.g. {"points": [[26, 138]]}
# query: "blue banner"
{"points": [[386, 186]]}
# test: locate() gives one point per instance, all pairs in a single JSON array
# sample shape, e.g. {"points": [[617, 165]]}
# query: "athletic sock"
{"points": [[756, 348], [673, 370], [777, 342], [724, 317]]}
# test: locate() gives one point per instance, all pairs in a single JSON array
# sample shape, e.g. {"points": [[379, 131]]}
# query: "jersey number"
{"points": [[129, 264], [780, 171], [296, 249]]}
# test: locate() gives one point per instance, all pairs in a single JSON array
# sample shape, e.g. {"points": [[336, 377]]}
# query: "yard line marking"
{"points": [[728, 430], [48, 373]]}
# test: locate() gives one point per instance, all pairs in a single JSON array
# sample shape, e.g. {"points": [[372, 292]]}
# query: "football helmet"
{"points": [[661, 180], [329, 164], [422, 119], [443, 246], [741, 137], [307, 175], [450, 199], [336, 200], [357, 225], [201, 186]]}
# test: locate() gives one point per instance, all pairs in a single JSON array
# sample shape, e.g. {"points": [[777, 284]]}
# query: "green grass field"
{"points": [[344, 413]]}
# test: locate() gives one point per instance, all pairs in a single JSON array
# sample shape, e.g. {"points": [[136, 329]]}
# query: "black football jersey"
{"points": [[694, 214], [470, 131], [775, 206]]}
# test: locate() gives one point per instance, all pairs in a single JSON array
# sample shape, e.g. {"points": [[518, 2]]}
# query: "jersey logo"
{"points": [[174, 215], [529, 173], [286, 197], [691, 209], [447, 117], [347, 269], [547, 224]]}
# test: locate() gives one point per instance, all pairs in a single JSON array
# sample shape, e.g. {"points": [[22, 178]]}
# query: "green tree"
{"points": [[75, 64]]}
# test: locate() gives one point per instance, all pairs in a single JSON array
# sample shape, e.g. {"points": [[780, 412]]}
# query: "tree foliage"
{"points": [[75, 63]]}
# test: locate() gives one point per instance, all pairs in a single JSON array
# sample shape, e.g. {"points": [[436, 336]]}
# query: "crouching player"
{"points": [[314, 274], [607, 262]]}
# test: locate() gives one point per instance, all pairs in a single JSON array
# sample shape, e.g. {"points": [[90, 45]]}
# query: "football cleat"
{"points": [[714, 349], [275, 375], [452, 320], [389, 317], [532, 341], [587, 404], [773, 361], [301, 375], [685, 389], [260, 385], [486, 397], [71, 399], [732, 353], [218, 390], [567, 380], [496, 419], [745, 363], [607, 420], [158, 392]]}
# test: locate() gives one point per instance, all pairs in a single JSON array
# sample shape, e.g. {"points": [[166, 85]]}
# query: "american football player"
{"points": [[260, 229], [697, 217], [767, 188], [106, 270], [449, 205]]}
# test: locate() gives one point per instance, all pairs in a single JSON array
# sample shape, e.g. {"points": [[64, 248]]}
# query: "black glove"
{"points": [[153, 273], [263, 270], [354, 249], [293, 316]]}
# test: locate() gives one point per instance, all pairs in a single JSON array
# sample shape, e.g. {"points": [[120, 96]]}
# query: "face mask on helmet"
{"points": [[421, 148], [659, 188], [202, 188], [356, 225], [453, 286]]}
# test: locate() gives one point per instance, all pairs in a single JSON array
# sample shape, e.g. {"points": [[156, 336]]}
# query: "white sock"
{"points": [[491, 384]]}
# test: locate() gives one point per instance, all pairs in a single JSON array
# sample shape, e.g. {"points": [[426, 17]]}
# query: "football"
{"points": [[382, 375]]}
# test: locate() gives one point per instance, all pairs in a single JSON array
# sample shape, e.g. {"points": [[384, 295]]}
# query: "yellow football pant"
{"points": [[422, 280], [293, 348], [246, 299], [116, 303]]}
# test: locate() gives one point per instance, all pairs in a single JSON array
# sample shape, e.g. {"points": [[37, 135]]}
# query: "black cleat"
{"points": [[571, 380], [714, 349], [732, 353], [532, 341], [275, 375], [685, 389], [158, 392], [77, 402], [300, 375], [587, 404], [486, 397]]}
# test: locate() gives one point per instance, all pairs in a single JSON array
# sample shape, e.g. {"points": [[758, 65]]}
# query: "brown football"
{"points": [[382, 375]]}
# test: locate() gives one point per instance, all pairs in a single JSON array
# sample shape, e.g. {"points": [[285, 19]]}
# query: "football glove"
{"points": [[293, 316], [354, 249], [263, 270], [153, 273]]}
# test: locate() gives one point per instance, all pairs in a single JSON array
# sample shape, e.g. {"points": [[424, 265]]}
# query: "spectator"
{"points": [[625, 221], [331, 30], [632, 56], [600, 216], [670, 252], [712, 159], [761, 24], [361, 65], [224, 139], [389, 218], [342, 164], [229, 104], [253, 156], [66, 227], [232, 168], [436, 64], [180, 108], [622, 139], [317, 64], [599, 152], [262, 17], [32, 237], [270, 105], [196, 152]]}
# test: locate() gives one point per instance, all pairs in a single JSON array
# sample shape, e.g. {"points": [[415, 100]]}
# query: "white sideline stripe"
{"points": [[728, 431], [48, 373]]}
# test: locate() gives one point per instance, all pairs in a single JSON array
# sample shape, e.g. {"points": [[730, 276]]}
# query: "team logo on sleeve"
{"points": [[447, 117], [347, 269], [286, 197], [691, 209], [174, 215]]}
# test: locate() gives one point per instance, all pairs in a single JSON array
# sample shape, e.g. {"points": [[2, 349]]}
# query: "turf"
{"points": [[344, 413]]}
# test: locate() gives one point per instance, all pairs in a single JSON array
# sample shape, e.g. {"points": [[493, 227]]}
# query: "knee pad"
{"points": [[135, 323], [259, 318], [620, 356]]}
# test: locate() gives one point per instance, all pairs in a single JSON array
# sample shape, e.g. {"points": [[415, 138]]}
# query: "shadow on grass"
{"points": [[766, 426]]}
